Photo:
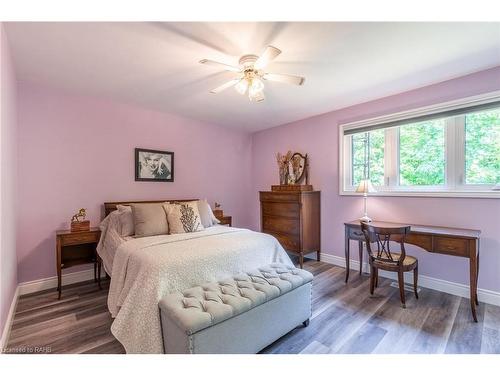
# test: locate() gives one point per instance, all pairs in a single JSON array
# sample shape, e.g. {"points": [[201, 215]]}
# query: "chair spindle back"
{"points": [[382, 236]]}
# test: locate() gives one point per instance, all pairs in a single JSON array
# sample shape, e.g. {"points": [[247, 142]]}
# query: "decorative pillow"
{"points": [[183, 217], [149, 219], [126, 220], [207, 217]]}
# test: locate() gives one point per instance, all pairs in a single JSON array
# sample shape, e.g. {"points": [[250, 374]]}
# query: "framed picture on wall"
{"points": [[154, 165]]}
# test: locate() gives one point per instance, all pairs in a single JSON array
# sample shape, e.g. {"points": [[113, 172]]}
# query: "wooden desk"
{"points": [[442, 240]]}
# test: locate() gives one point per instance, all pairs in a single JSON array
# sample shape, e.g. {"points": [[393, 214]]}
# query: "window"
{"points": [[482, 148], [421, 154], [452, 149], [368, 157]]}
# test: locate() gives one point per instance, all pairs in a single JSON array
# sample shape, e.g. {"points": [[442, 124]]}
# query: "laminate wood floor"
{"points": [[346, 319]]}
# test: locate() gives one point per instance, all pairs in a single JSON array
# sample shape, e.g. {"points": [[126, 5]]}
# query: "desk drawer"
{"points": [[420, 240], [280, 225], [451, 246], [79, 238], [356, 234]]}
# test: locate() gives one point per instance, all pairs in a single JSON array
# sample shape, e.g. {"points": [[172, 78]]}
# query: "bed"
{"points": [[144, 270]]}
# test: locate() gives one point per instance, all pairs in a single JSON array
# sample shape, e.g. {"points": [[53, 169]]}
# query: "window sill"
{"points": [[431, 194]]}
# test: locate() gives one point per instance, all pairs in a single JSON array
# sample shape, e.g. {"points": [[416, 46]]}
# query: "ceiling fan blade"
{"points": [[220, 65], [267, 56], [225, 86], [285, 78]]}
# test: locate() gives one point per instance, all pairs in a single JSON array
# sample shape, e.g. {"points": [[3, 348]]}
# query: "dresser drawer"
{"points": [[280, 225], [289, 242], [451, 246], [285, 209], [79, 238], [279, 197]]}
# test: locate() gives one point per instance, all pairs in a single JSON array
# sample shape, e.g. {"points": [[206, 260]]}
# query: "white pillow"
{"points": [[207, 217], [126, 220], [110, 222], [183, 217]]}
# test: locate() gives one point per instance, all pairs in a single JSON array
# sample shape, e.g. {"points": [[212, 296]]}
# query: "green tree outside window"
{"points": [[482, 148], [368, 157], [422, 154]]}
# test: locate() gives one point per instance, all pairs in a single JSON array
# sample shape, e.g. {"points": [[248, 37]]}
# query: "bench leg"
{"points": [[305, 323]]}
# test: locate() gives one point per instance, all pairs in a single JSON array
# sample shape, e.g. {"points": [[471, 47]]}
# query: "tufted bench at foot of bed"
{"points": [[243, 314]]}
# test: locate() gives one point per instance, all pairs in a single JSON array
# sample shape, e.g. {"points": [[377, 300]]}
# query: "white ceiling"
{"points": [[156, 65]]}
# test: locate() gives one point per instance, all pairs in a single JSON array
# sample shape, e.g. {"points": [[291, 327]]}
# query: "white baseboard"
{"points": [[51, 282], [8, 324], [461, 290]]}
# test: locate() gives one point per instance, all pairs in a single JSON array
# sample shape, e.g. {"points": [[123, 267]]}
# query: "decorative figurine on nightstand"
{"points": [[78, 225]]}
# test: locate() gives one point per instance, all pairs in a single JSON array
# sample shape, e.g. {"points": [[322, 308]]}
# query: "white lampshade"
{"points": [[256, 86], [256, 90], [257, 97], [242, 86], [365, 186]]}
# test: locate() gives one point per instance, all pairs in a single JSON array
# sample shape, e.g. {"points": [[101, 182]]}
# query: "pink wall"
{"points": [[78, 151], [318, 136], [8, 180]]}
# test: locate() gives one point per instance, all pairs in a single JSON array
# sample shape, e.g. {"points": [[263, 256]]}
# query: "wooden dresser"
{"points": [[294, 219]]}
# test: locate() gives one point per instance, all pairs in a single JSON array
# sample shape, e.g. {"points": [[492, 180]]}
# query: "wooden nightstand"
{"points": [[226, 220], [74, 248]]}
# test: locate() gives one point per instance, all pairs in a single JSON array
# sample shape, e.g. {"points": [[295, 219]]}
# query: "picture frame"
{"points": [[154, 165]]}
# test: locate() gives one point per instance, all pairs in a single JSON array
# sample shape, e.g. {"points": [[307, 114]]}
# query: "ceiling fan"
{"points": [[251, 74]]}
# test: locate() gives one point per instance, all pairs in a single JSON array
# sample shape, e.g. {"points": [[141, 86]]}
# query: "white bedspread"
{"points": [[146, 269]]}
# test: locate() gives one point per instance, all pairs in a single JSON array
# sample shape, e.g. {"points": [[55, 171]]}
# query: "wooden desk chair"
{"points": [[385, 259]]}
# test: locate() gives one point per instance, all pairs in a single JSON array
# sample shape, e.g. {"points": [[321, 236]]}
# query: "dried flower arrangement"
{"points": [[283, 162]]}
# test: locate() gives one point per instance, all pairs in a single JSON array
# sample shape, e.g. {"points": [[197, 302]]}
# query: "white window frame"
{"points": [[454, 156]]}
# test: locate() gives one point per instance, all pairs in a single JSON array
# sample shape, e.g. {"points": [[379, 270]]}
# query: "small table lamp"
{"points": [[365, 187]]}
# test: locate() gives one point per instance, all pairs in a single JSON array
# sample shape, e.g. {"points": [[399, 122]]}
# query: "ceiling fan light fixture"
{"points": [[256, 86], [251, 74], [257, 96], [242, 86]]}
